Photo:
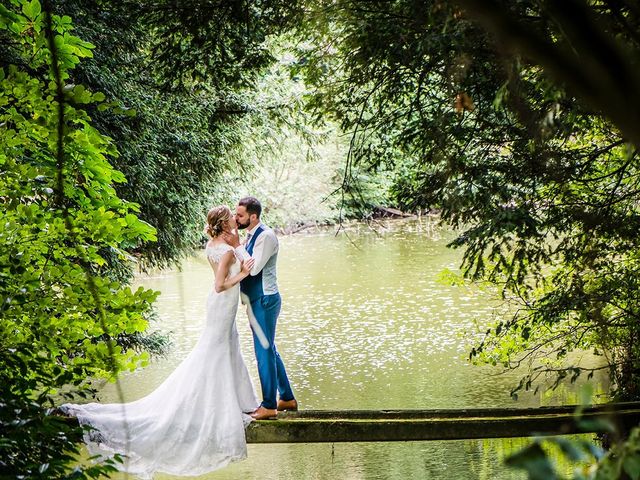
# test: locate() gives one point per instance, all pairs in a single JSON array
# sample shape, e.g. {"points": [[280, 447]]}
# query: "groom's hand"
{"points": [[232, 238]]}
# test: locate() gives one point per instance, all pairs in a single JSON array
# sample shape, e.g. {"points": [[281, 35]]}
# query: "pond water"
{"points": [[366, 323]]}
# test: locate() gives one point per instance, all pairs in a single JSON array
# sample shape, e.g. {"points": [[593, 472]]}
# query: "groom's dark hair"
{"points": [[252, 205]]}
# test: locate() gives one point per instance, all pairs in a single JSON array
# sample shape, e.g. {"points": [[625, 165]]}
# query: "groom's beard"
{"points": [[242, 226]]}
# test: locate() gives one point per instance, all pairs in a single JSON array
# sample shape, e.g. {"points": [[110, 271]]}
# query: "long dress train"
{"points": [[194, 422]]}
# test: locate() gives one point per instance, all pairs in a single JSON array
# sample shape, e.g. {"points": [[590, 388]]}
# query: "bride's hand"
{"points": [[232, 238], [247, 265]]}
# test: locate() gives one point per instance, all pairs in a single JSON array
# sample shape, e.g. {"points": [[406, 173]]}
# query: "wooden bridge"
{"points": [[314, 426]]}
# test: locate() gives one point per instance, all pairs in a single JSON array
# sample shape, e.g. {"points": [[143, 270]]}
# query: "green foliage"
{"points": [[220, 42], [544, 189], [590, 462], [59, 309], [623, 458], [191, 69], [554, 457], [591, 49], [216, 113], [294, 185]]}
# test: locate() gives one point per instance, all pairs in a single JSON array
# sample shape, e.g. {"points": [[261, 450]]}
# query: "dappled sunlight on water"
{"points": [[366, 323]]}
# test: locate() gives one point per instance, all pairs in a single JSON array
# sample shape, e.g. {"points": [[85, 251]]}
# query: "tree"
{"points": [[591, 48], [540, 182], [61, 313], [189, 69]]}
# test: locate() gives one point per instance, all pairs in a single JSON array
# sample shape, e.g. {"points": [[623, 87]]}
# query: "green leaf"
{"points": [[32, 9], [533, 459], [631, 465], [81, 95], [7, 15], [571, 449]]}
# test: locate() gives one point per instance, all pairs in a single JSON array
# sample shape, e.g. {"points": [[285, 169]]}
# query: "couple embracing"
{"points": [[194, 421]]}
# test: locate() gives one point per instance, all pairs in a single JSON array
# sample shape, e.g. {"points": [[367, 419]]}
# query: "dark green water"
{"points": [[366, 324]]}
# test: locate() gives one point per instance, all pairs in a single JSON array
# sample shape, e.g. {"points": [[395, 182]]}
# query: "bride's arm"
{"points": [[222, 282]]}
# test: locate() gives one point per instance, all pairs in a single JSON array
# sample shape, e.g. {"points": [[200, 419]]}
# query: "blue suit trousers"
{"points": [[273, 376]]}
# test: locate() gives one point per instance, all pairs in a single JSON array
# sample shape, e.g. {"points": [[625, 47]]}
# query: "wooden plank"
{"points": [[419, 425], [459, 412]]}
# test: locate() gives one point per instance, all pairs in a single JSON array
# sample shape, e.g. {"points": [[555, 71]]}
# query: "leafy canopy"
{"points": [[60, 312]]}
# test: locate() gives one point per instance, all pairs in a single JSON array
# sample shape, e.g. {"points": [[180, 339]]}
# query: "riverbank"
{"points": [[377, 214]]}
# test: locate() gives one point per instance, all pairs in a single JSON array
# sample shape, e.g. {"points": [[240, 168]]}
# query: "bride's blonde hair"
{"points": [[216, 220]]}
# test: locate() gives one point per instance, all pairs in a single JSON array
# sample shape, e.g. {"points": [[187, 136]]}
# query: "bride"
{"points": [[194, 421]]}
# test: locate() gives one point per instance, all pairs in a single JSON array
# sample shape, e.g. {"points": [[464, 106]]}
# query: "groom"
{"points": [[262, 289]]}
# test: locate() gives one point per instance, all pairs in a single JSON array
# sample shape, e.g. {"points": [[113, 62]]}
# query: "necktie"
{"points": [[249, 235]]}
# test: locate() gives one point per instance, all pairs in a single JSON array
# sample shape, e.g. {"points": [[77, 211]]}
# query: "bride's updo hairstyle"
{"points": [[216, 220]]}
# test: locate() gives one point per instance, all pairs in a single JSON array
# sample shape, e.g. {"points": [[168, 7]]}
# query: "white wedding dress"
{"points": [[194, 422]]}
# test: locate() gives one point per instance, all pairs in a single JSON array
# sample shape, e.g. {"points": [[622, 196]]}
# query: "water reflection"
{"points": [[365, 324]]}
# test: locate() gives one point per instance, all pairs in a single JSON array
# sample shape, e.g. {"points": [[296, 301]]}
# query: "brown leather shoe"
{"points": [[262, 413], [291, 405]]}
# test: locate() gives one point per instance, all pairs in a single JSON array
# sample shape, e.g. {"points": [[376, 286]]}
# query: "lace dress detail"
{"points": [[194, 422], [215, 253]]}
